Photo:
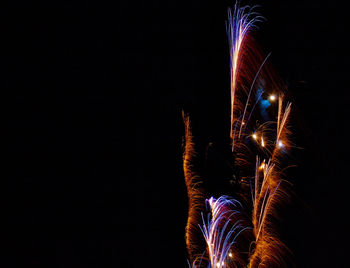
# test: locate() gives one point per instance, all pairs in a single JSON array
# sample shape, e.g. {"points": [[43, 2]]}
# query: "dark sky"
{"points": [[92, 94]]}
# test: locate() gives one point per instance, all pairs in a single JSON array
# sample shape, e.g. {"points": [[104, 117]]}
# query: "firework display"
{"points": [[241, 230]]}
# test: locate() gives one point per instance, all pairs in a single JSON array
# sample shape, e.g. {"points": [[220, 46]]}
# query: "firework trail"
{"points": [[195, 192], [236, 235], [223, 230], [239, 24]]}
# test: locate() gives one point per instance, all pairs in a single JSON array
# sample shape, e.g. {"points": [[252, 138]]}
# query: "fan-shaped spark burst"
{"points": [[239, 24], [222, 230]]}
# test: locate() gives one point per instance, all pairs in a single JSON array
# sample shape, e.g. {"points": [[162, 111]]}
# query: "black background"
{"points": [[92, 94]]}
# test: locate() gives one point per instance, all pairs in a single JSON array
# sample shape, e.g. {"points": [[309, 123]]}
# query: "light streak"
{"points": [[222, 229], [195, 193], [250, 91], [239, 23]]}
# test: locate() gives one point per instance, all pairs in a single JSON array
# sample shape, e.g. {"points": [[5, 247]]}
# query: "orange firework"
{"points": [[195, 194]]}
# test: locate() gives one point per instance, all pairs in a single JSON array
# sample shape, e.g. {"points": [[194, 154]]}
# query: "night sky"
{"points": [[92, 94]]}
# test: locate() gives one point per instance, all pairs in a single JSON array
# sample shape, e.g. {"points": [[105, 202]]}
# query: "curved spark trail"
{"points": [[222, 230], [236, 235], [239, 23]]}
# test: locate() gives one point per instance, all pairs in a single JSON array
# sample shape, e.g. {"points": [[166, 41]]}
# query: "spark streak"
{"points": [[239, 23], [221, 231]]}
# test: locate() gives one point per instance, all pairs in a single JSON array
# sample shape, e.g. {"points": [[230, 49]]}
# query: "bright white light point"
{"points": [[243, 123], [272, 97], [254, 137], [262, 142], [280, 144], [230, 255], [262, 166]]}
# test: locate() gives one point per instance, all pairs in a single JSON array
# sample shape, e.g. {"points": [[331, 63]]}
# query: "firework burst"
{"points": [[232, 234]]}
